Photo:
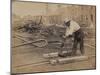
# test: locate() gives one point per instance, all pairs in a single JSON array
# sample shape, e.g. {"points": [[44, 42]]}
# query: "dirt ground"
{"points": [[29, 59]]}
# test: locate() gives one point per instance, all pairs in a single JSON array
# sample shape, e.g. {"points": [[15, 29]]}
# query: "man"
{"points": [[73, 29]]}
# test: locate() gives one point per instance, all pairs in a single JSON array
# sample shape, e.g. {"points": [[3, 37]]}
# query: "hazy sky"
{"points": [[34, 8]]}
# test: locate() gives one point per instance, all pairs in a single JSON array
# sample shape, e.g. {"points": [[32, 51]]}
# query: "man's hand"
{"points": [[64, 36]]}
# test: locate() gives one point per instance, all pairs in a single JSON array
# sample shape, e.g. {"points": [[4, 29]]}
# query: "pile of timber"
{"points": [[54, 59]]}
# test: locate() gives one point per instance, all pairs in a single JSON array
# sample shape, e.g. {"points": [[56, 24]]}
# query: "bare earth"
{"points": [[29, 59]]}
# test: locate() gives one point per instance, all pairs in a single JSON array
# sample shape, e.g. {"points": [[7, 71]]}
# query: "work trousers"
{"points": [[78, 39]]}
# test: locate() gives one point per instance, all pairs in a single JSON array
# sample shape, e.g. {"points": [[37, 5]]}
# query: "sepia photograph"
{"points": [[52, 37]]}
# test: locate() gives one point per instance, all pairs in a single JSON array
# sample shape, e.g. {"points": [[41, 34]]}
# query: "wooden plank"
{"points": [[55, 54], [72, 59], [68, 60]]}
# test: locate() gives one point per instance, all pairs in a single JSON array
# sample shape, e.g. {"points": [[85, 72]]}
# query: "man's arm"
{"points": [[69, 31], [60, 26]]}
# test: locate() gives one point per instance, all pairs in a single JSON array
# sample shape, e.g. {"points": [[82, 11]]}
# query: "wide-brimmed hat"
{"points": [[66, 20]]}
